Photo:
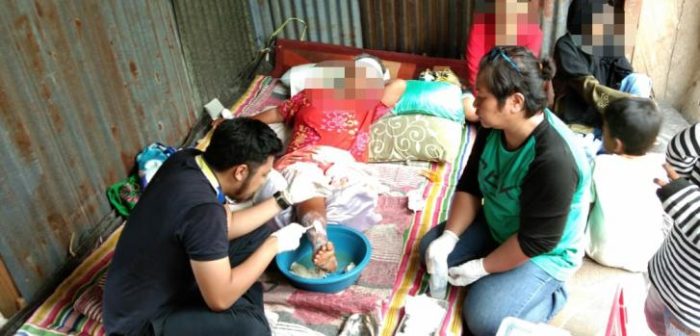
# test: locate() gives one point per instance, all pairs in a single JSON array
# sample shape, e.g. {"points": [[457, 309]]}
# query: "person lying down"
{"points": [[330, 120]]}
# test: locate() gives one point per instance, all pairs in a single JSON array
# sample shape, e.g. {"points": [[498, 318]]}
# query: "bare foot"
{"points": [[325, 258]]}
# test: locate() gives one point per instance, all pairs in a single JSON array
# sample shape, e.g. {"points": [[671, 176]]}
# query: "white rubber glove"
{"points": [[467, 273], [288, 237], [436, 262], [439, 249], [301, 188]]}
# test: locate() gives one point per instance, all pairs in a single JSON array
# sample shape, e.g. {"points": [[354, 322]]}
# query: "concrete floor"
{"points": [[591, 293]]}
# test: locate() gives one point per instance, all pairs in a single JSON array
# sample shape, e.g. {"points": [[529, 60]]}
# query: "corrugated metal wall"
{"points": [[217, 39], [429, 27], [553, 23], [84, 85], [426, 27], [327, 21]]}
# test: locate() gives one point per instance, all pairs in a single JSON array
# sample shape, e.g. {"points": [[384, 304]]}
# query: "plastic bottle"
{"points": [[317, 234], [438, 284]]}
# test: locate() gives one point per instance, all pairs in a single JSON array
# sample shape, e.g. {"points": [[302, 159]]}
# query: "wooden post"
{"points": [[633, 11], [9, 295]]}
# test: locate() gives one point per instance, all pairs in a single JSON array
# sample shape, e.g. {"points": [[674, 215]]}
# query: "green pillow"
{"points": [[438, 99], [414, 138]]}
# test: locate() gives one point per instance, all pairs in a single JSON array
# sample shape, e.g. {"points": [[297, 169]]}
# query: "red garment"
{"points": [[482, 38], [319, 118]]}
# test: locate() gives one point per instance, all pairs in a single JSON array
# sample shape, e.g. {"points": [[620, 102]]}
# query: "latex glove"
{"points": [[467, 273], [301, 188], [288, 237], [439, 249]]}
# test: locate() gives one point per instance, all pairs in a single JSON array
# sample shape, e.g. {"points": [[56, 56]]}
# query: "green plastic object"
{"points": [[124, 194]]}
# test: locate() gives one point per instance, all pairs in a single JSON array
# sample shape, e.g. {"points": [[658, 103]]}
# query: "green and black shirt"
{"points": [[539, 191]]}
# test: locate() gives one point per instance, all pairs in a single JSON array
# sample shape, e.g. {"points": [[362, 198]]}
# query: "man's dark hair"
{"points": [[241, 141], [635, 121], [515, 69]]}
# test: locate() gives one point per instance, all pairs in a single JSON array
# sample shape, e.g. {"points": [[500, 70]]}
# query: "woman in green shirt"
{"points": [[515, 227]]}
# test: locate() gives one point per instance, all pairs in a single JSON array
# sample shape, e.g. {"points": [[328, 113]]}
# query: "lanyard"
{"points": [[209, 174]]}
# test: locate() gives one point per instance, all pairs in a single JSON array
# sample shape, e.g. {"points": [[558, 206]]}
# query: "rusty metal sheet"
{"points": [[439, 27], [426, 27], [328, 21], [83, 87], [217, 40]]}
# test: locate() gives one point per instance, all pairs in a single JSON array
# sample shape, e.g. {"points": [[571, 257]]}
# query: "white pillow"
{"points": [[295, 77]]}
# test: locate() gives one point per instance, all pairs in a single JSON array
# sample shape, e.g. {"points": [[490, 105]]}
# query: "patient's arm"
{"points": [[270, 116], [393, 92], [309, 211], [469, 109]]}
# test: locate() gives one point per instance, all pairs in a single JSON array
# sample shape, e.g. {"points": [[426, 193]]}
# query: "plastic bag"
{"points": [[150, 159], [124, 194]]}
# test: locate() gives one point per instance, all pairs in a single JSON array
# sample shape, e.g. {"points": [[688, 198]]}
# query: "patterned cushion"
{"points": [[414, 138]]}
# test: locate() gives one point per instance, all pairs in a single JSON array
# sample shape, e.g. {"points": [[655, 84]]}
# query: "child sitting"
{"points": [[623, 188], [672, 306]]}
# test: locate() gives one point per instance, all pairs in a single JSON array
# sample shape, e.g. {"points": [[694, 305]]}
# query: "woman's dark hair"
{"points": [[241, 141], [635, 121], [514, 69]]}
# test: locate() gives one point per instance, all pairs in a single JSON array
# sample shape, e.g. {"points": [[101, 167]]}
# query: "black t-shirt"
{"points": [[177, 219]]}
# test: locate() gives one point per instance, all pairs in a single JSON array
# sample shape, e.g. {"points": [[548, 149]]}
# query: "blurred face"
{"points": [[252, 182], [348, 80], [508, 14], [361, 83], [604, 35]]}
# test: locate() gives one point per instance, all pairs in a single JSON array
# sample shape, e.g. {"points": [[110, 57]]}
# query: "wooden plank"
{"points": [[9, 296], [655, 42], [684, 74], [633, 12]]}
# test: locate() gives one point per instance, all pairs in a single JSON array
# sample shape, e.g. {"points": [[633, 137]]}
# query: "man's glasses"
{"points": [[498, 51]]}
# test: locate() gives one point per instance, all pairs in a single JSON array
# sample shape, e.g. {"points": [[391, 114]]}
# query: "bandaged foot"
{"points": [[324, 251], [324, 258]]}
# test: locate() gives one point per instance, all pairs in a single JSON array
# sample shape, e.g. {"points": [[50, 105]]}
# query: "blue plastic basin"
{"points": [[350, 246]]}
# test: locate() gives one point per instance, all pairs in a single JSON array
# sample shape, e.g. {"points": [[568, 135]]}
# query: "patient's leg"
{"points": [[314, 210]]}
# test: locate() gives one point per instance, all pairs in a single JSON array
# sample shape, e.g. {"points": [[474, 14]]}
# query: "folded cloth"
{"points": [[89, 303], [423, 315], [353, 190]]}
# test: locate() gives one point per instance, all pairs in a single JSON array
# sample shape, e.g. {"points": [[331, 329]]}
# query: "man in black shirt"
{"points": [[184, 263]]}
